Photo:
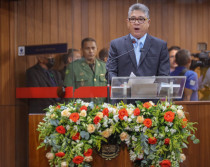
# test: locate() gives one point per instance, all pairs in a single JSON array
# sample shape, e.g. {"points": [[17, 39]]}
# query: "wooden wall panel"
{"points": [[62, 21], [5, 54], [54, 21], [7, 136], [106, 22], [38, 17], [99, 24], [84, 20]]}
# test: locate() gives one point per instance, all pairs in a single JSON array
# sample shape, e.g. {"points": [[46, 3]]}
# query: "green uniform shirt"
{"points": [[79, 74]]}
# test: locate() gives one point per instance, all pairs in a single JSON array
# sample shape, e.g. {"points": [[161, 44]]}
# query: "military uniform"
{"points": [[80, 74]]}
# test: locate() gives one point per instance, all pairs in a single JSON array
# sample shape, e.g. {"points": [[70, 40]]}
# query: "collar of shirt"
{"points": [[141, 40]]}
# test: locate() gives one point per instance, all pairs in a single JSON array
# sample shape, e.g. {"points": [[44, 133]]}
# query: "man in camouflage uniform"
{"points": [[87, 71]]}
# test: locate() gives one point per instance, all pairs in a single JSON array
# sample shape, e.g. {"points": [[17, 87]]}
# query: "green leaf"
{"points": [[196, 141]]}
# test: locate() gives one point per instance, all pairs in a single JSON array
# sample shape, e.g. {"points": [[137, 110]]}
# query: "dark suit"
{"points": [[36, 76], [154, 60]]}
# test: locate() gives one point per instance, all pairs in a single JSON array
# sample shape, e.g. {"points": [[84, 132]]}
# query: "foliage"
{"points": [[154, 134]]}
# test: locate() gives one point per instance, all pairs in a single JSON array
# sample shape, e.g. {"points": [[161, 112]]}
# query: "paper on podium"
{"points": [[143, 80], [143, 87]]}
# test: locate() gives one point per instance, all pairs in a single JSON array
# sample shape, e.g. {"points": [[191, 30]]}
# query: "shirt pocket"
{"points": [[81, 81], [102, 78]]}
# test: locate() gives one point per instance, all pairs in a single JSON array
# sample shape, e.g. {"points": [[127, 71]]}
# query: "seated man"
{"points": [[87, 71], [183, 60], [41, 75]]}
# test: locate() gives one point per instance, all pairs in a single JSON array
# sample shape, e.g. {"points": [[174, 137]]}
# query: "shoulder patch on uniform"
{"points": [[192, 82]]}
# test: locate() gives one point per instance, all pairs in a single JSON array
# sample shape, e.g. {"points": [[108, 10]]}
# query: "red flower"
{"points": [[60, 129], [83, 108], [152, 140], [122, 112], [136, 112], [88, 152], [96, 119], [105, 112], [60, 154], [169, 116], [167, 141], [78, 159], [165, 163], [147, 105], [184, 122], [74, 117], [76, 136], [58, 107], [147, 122]]}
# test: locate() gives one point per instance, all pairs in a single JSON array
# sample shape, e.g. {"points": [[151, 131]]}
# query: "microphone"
{"points": [[113, 58]]}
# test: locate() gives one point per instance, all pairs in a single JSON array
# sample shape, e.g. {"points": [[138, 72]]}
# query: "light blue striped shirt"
{"points": [[138, 45]]}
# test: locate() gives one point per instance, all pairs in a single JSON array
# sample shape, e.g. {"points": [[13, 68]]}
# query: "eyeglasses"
{"points": [[140, 20]]}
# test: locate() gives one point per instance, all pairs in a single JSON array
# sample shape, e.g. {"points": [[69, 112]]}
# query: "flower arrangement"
{"points": [[154, 134]]}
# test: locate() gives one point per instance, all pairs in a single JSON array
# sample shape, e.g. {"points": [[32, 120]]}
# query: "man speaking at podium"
{"points": [[138, 52]]}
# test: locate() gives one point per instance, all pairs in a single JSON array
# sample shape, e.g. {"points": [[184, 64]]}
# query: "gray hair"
{"points": [[139, 6]]}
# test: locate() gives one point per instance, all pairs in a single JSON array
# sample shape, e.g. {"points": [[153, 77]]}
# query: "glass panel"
{"points": [[147, 87]]}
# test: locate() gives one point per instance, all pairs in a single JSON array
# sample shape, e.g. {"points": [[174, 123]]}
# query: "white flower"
{"points": [[50, 155], [127, 128], [173, 107], [172, 131], [100, 114], [132, 156], [125, 118], [98, 126], [170, 124], [48, 114], [180, 107], [163, 108], [151, 103], [51, 108], [140, 156], [67, 127], [116, 118], [110, 121], [134, 138], [144, 129], [75, 128], [105, 105], [88, 158], [167, 103], [166, 129], [85, 104], [90, 141], [130, 111], [64, 164], [113, 110], [83, 113], [182, 157], [66, 113], [78, 122], [105, 124], [129, 119], [180, 114], [137, 128]]}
